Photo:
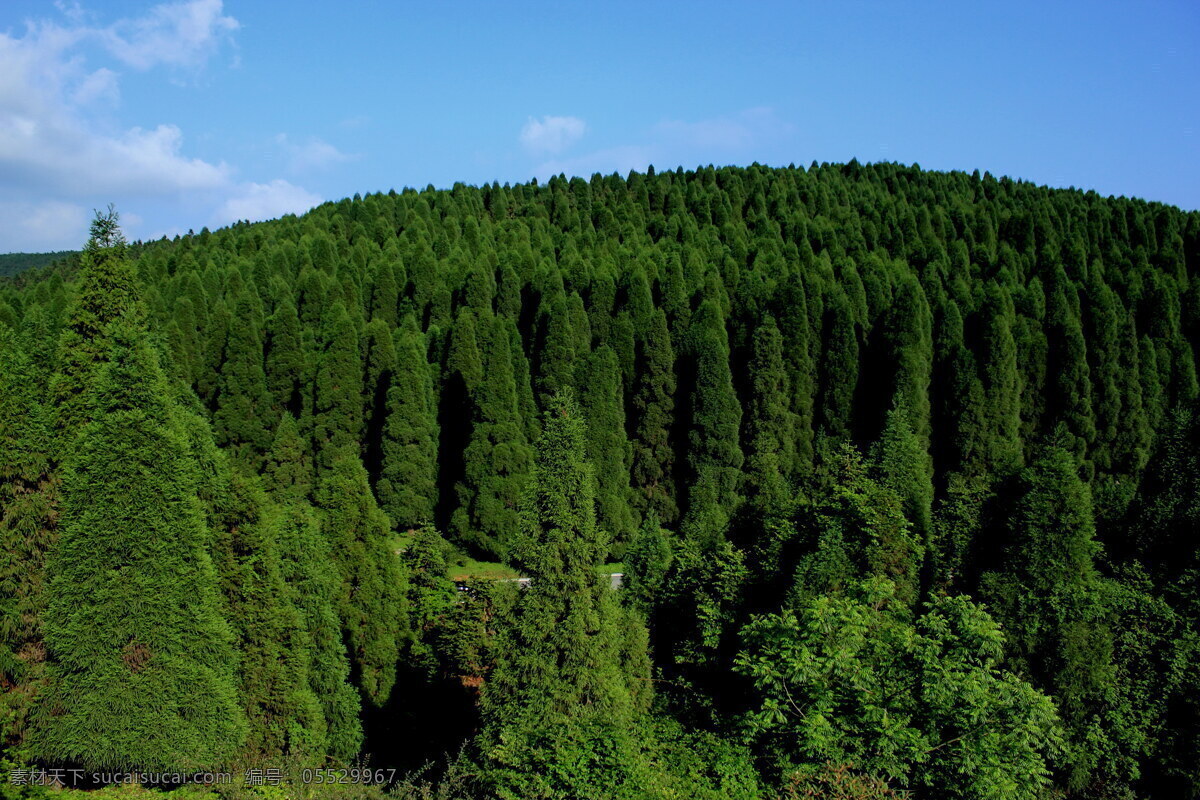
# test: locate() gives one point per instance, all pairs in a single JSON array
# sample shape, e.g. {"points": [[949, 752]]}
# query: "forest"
{"points": [[12, 263], [847, 481]]}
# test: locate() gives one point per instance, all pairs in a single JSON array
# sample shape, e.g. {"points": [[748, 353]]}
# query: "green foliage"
{"points": [[729, 333], [337, 397], [647, 560], [1047, 594], [654, 406], [407, 486], [714, 449], [106, 290], [156, 688], [921, 703], [371, 583], [243, 418], [602, 404], [29, 492], [859, 530], [313, 585], [771, 426], [12, 263], [431, 594], [562, 705], [497, 459]]}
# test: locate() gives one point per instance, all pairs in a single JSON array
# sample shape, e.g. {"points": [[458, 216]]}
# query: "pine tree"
{"points": [[1001, 387], [498, 457], [1046, 594], [370, 594], [289, 468], [1069, 387], [464, 359], [385, 292], [379, 364], [284, 713], [905, 467], [909, 342], [960, 414], [839, 368], [337, 397], [647, 560], [525, 399], [859, 531], [654, 410], [285, 363], [796, 334], [308, 568], [407, 488], [558, 354], [107, 289], [714, 452], [243, 419], [29, 489], [134, 537], [561, 709], [602, 404], [770, 425]]}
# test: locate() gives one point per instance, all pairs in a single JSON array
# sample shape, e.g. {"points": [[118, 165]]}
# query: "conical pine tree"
{"points": [[654, 412], [156, 688], [562, 709], [107, 289], [602, 403], [29, 498], [371, 589], [498, 458], [714, 450], [407, 487]]}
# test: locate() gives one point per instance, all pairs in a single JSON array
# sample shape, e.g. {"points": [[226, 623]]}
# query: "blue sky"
{"points": [[187, 114]]}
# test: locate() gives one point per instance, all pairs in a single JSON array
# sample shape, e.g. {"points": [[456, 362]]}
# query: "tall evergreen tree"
{"points": [[29, 498], [839, 367], [337, 396], [107, 289], [371, 590], [654, 411], [498, 457], [562, 707], [1046, 593], [1001, 386], [284, 362], [602, 404], [243, 418], [134, 537], [714, 452], [770, 425], [407, 487]]}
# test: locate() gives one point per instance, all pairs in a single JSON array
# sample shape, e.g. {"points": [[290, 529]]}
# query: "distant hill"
{"points": [[12, 263]]}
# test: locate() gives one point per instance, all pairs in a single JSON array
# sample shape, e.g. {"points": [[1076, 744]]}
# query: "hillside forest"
{"points": [[847, 481]]}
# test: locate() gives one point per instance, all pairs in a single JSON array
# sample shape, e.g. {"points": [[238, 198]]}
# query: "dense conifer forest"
{"points": [[13, 263], [900, 471]]}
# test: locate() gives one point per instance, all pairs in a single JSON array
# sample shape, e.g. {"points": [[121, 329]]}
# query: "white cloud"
{"points": [[176, 34], [311, 154], [62, 152], [259, 201], [53, 138], [551, 135]]}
